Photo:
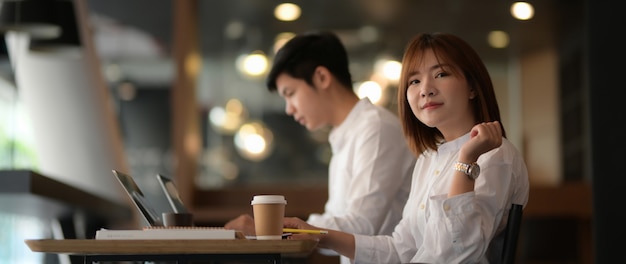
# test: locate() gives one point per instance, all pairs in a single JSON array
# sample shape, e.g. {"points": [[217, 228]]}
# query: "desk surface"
{"points": [[233, 246]]}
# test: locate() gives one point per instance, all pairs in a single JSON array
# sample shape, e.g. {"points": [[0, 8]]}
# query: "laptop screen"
{"points": [[138, 198], [169, 188]]}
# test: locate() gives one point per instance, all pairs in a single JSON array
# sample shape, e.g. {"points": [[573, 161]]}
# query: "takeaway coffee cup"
{"points": [[269, 211]]}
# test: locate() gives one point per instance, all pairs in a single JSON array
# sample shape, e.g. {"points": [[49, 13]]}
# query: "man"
{"points": [[370, 170]]}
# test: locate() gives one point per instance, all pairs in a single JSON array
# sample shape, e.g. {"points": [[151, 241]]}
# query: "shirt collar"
{"points": [[454, 145]]}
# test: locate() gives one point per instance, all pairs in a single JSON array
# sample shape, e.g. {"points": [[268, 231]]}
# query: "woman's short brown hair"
{"points": [[463, 59]]}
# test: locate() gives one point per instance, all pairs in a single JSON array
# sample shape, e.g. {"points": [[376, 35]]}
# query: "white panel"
{"points": [[73, 140]]}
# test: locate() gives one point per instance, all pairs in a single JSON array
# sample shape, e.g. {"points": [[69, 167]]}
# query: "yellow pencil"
{"points": [[293, 230]]}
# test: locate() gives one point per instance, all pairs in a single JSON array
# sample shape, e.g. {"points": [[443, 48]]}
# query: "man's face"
{"points": [[302, 101]]}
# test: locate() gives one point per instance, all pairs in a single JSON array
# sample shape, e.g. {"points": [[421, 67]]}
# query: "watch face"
{"points": [[474, 170]]}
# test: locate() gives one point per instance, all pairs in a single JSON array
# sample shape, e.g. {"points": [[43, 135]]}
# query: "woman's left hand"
{"points": [[483, 138]]}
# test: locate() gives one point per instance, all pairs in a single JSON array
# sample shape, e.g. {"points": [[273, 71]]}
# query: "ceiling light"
{"points": [[522, 10], [229, 118], [253, 65], [390, 69], [287, 12], [371, 90], [254, 141], [281, 39], [498, 39]]}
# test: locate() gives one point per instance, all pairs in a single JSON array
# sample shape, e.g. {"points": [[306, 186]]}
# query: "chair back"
{"points": [[511, 234]]}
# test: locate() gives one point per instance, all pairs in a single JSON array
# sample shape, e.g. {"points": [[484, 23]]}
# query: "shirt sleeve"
{"points": [[400, 247], [451, 230], [381, 171], [460, 228]]}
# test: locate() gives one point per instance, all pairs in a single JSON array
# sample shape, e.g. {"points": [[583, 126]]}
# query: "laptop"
{"points": [[169, 188], [139, 199]]}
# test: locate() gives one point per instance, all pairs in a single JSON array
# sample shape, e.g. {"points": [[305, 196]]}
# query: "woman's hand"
{"points": [[342, 243], [483, 138]]}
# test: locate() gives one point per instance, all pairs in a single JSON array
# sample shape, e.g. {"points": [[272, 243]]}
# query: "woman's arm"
{"points": [[483, 138], [340, 242]]}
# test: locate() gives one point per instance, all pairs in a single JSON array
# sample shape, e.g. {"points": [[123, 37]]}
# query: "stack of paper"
{"points": [[166, 233]]}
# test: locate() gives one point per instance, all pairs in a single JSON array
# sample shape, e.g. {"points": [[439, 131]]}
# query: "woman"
{"points": [[467, 174], [371, 164]]}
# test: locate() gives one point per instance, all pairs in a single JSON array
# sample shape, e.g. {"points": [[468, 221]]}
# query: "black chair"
{"points": [[511, 234]]}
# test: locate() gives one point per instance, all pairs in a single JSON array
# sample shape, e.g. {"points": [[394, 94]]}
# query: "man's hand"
{"points": [[243, 223]]}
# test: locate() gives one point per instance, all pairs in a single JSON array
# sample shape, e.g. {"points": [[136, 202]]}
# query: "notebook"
{"points": [[158, 233], [169, 188], [139, 199]]}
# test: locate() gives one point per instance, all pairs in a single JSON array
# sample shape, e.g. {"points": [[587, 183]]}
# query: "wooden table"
{"points": [[181, 251]]}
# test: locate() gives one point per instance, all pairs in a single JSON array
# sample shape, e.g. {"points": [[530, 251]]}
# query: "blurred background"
{"points": [[177, 88]]}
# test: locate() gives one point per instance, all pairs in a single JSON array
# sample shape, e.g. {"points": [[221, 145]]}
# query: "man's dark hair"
{"points": [[302, 54]]}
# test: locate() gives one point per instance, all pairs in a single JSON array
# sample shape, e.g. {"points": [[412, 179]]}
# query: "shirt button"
{"points": [[422, 206], [436, 172], [446, 207]]}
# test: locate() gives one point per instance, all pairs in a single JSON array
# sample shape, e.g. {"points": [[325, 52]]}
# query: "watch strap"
{"points": [[465, 168]]}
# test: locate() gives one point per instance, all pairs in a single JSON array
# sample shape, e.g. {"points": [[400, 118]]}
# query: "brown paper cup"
{"points": [[269, 211]]}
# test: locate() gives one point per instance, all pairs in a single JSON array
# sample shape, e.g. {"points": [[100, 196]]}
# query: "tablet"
{"points": [[138, 198], [169, 188]]}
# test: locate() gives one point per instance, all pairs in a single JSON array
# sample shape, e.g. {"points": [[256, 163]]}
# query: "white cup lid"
{"points": [[268, 199]]}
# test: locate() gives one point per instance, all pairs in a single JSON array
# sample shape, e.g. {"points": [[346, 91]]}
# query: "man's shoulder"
{"points": [[376, 124], [378, 114]]}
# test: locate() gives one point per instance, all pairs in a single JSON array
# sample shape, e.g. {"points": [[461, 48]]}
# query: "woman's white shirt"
{"points": [[437, 229], [369, 173]]}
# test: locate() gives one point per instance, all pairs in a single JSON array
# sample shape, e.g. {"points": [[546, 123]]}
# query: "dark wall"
{"points": [[607, 124]]}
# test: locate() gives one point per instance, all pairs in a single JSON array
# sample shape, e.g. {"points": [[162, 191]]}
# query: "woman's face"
{"points": [[303, 102], [440, 97]]}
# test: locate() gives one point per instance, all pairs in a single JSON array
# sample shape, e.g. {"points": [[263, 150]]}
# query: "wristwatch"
{"points": [[471, 170]]}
